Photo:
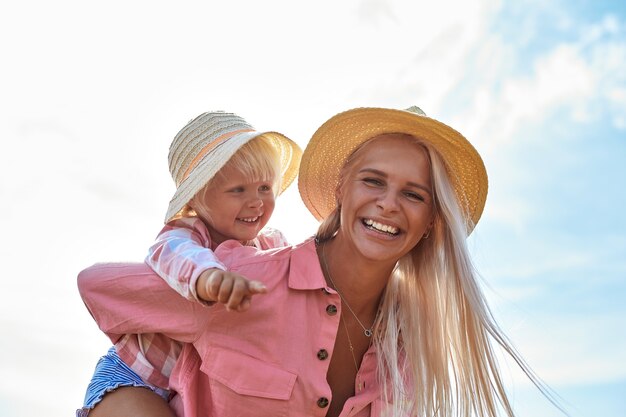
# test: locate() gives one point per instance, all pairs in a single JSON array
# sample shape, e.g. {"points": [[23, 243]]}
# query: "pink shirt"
{"points": [[180, 253], [268, 361]]}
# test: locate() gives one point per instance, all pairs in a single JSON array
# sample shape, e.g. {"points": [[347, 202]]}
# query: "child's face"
{"points": [[234, 207]]}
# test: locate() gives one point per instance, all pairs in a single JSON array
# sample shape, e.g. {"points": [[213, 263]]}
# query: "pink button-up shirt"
{"points": [[261, 362], [180, 253]]}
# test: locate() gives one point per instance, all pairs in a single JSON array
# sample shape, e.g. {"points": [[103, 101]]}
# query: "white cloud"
{"points": [[511, 91], [570, 349], [586, 76]]}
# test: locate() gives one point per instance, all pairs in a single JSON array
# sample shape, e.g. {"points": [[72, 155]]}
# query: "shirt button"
{"points": [[322, 354], [331, 309], [322, 402]]}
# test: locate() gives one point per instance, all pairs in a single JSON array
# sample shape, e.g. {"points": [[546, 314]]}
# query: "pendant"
{"points": [[368, 332]]}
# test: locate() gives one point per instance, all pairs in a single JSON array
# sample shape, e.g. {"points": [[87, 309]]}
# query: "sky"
{"points": [[91, 94]]}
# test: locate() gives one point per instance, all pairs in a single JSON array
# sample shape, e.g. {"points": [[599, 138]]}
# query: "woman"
{"points": [[380, 313]]}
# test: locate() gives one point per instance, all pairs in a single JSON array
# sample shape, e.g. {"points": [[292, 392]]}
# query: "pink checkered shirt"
{"points": [[179, 255]]}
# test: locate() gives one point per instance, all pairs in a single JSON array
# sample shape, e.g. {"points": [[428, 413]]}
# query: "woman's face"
{"points": [[386, 198]]}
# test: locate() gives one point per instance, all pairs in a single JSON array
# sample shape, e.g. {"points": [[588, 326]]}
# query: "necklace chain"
{"points": [[366, 331], [356, 365]]}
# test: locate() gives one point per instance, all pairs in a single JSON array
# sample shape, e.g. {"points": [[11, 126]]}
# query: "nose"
{"points": [[388, 202], [255, 201]]}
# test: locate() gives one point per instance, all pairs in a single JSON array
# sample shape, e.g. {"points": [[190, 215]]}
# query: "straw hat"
{"points": [[206, 143], [336, 139]]}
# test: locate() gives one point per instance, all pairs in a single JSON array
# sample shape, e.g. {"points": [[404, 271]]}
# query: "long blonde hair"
{"points": [[435, 356]]}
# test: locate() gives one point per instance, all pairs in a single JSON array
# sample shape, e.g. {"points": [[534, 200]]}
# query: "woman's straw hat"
{"points": [[206, 143], [336, 139]]}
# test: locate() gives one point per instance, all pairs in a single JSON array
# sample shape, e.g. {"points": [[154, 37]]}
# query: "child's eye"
{"points": [[236, 190], [265, 188]]}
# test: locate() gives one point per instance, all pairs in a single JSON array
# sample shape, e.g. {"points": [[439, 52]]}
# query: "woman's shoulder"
{"points": [[234, 255]]}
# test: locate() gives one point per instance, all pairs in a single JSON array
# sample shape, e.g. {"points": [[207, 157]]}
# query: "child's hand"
{"points": [[231, 289]]}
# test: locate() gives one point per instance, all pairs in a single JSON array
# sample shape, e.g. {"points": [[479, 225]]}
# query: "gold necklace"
{"points": [[366, 331], [356, 365]]}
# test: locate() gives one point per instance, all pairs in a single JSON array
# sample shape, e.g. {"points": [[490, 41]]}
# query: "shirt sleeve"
{"points": [[181, 252], [130, 298]]}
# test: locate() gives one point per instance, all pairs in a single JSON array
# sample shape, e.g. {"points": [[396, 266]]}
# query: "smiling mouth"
{"points": [[249, 219], [381, 228]]}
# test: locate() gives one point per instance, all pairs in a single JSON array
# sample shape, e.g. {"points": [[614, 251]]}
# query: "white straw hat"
{"points": [[337, 138], [206, 143]]}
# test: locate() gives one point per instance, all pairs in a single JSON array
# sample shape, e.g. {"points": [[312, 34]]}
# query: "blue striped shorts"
{"points": [[111, 373]]}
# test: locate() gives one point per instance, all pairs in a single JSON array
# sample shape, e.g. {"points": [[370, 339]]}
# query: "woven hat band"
{"points": [[211, 145]]}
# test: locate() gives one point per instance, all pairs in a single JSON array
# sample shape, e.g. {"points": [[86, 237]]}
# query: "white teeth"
{"points": [[381, 227], [249, 219]]}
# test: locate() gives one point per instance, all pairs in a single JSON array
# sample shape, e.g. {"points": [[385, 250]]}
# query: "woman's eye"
{"points": [[372, 181], [413, 196]]}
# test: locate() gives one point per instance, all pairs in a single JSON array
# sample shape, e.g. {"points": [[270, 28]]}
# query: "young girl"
{"points": [[227, 176]]}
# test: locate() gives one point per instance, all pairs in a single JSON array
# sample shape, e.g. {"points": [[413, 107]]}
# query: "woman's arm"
{"points": [[130, 298]]}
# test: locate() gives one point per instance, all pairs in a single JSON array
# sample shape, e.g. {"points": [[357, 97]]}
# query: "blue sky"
{"points": [[93, 94]]}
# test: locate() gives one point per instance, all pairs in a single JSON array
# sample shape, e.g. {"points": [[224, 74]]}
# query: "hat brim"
{"points": [[290, 155], [337, 138]]}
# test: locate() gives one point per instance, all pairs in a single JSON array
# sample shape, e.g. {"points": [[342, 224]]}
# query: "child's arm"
{"points": [[182, 256], [229, 288], [181, 253]]}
